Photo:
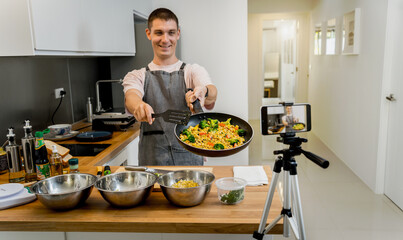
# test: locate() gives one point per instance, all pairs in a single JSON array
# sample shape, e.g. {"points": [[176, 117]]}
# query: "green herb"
{"points": [[232, 196]]}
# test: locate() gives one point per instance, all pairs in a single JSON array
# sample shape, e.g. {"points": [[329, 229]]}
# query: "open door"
{"points": [[279, 60]]}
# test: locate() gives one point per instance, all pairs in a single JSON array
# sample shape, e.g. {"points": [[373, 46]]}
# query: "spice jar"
{"points": [[73, 165]]}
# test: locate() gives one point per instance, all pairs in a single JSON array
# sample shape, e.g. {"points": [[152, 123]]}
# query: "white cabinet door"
{"points": [[32, 235], [133, 152], [119, 160], [90, 26], [109, 27], [57, 25]]}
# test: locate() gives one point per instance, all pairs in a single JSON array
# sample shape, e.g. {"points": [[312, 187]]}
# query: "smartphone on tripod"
{"points": [[285, 118]]}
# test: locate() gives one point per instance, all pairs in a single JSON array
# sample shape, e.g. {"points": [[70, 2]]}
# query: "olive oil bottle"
{"points": [[56, 167], [16, 171]]}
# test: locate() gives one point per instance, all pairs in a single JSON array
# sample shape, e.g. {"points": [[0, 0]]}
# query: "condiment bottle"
{"points": [[41, 157], [89, 110], [28, 148], [14, 159], [66, 166], [73, 165], [3, 161], [56, 167]]}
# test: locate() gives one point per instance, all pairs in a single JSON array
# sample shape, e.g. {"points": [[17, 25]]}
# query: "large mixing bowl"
{"points": [[64, 192], [126, 189], [186, 197]]}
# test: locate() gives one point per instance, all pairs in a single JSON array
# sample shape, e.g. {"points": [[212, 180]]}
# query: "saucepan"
{"points": [[222, 117]]}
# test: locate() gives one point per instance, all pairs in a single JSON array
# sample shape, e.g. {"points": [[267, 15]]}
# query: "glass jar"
{"points": [[73, 162]]}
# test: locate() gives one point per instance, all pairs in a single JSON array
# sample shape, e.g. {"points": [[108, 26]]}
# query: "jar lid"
{"points": [[73, 161]]}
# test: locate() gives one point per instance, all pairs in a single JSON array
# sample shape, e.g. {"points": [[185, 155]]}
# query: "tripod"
{"points": [[292, 211]]}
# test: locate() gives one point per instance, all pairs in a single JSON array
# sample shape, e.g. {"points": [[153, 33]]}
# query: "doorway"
{"points": [[279, 59]]}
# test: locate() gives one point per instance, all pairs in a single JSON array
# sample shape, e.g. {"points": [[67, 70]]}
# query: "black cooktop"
{"points": [[79, 150]]}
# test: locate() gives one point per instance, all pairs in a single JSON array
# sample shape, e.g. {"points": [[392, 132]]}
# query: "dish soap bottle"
{"points": [[41, 157], [14, 159], [56, 167], [28, 148]]}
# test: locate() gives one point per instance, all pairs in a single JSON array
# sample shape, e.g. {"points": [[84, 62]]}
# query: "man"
{"points": [[289, 119], [163, 85]]}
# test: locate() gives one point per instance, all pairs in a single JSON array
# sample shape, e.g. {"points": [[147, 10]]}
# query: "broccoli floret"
{"points": [[218, 146], [213, 123], [228, 122], [233, 141], [191, 138], [241, 132], [186, 132], [203, 124]]}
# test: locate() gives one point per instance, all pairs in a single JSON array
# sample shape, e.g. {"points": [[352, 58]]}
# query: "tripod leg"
{"points": [[298, 207], [293, 225], [286, 201], [276, 170], [269, 199]]}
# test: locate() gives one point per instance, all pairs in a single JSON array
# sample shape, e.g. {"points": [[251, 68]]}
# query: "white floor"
{"points": [[336, 203]]}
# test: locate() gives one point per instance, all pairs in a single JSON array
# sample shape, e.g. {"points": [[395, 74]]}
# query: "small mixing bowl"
{"points": [[126, 189], [64, 192], [186, 197], [230, 190]]}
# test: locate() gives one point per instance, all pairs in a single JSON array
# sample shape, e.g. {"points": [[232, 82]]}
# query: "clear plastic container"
{"points": [[230, 190]]}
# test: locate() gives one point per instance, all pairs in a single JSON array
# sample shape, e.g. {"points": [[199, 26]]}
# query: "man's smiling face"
{"points": [[163, 36]]}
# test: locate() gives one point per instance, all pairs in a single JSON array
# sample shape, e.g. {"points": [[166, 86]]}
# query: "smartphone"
{"points": [[277, 119]]}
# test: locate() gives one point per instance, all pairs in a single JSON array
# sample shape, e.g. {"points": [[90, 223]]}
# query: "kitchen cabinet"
{"points": [[127, 156], [66, 28], [32, 235]]}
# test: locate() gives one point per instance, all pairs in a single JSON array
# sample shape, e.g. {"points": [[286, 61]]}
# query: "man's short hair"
{"points": [[164, 14]]}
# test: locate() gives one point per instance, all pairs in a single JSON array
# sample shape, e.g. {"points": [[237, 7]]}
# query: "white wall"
{"points": [[214, 35], [279, 6], [345, 91]]}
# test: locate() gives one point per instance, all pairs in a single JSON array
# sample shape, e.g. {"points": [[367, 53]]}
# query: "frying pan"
{"points": [[297, 129], [222, 117]]}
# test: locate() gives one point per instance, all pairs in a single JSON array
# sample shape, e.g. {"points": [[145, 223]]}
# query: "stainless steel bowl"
{"points": [[126, 189], [186, 197], [64, 192]]}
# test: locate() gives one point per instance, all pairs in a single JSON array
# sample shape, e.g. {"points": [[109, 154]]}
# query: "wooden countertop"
{"points": [[156, 215], [118, 142]]}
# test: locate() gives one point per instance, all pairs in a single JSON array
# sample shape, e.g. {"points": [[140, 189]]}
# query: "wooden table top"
{"points": [[156, 215]]}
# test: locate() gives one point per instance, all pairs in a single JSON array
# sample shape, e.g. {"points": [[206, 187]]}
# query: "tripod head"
{"points": [[295, 149]]}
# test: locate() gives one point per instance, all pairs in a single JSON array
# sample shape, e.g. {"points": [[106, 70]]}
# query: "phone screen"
{"points": [[277, 119]]}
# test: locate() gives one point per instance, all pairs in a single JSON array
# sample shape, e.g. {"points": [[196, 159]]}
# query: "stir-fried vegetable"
{"points": [[212, 134]]}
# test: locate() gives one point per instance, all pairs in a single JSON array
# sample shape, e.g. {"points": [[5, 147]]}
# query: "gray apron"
{"points": [[290, 121], [158, 144]]}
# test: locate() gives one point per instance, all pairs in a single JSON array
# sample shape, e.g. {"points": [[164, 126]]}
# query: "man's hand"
{"points": [[140, 110], [142, 113], [198, 93]]}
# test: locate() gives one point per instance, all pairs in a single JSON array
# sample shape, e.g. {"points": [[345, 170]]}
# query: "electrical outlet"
{"points": [[58, 92]]}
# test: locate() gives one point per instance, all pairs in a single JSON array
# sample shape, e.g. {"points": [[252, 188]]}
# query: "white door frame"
{"points": [[390, 42]]}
